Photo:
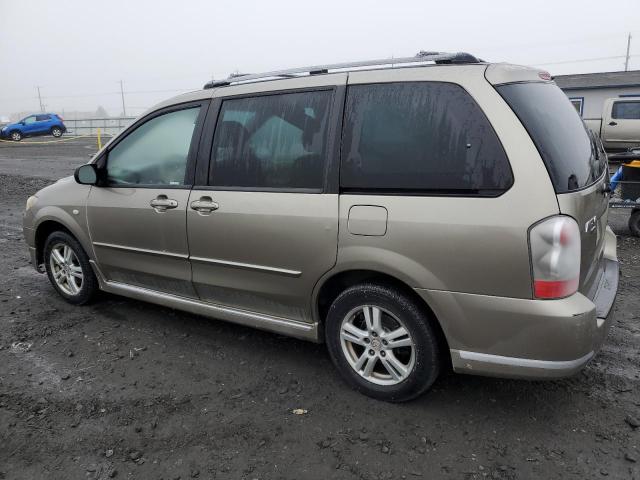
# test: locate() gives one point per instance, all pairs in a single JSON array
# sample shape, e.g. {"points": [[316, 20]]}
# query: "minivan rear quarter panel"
{"points": [[460, 244]]}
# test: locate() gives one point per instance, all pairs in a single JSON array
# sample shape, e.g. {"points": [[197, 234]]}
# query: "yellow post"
{"points": [[99, 140]]}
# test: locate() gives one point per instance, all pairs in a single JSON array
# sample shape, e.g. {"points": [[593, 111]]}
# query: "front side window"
{"points": [[155, 153], [626, 110], [273, 141], [422, 137], [29, 120]]}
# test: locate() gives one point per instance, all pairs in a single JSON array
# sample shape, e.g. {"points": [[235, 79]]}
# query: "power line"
{"points": [[595, 59], [104, 94]]}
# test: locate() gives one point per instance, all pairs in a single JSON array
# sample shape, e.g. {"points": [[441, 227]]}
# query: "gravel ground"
{"points": [[126, 389]]}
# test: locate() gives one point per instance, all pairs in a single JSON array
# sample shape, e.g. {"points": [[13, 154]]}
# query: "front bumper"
{"points": [[523, 338]]}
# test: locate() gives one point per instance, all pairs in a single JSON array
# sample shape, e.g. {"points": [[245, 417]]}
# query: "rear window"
{"points": [[567, 149], [422, 138]]}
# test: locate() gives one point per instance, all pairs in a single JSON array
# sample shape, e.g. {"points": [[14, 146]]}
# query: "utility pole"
{"points": [[124, 110], [40, 99], [626, 60]]}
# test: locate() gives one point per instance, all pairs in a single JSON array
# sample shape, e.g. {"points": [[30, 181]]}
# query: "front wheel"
{"points": [[68, 268], [56, 132], [634, 222], [382, 343], [16, 136]]}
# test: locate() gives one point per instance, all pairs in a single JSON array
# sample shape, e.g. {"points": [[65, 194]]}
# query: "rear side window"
{"points": [[626, 110], [426, 137], [271, 142], [567, 149], [42, 118]]}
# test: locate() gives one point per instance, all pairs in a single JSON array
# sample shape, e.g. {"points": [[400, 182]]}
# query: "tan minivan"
{"points": [[440, 210]]}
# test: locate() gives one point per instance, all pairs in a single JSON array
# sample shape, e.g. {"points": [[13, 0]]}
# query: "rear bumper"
{"points": [[524, 338], [515, 367]]}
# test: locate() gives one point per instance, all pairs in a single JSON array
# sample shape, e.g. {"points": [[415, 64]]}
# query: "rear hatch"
{"points": [[576, 163]]}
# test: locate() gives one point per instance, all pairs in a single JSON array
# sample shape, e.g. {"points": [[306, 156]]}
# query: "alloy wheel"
{"points": [[377, 345], [66, 269]]}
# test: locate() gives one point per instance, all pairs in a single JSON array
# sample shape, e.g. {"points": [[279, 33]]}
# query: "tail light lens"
{"points": [[555, 257]]}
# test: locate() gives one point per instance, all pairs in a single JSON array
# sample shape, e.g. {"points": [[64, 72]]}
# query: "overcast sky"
{"points": [[78, 52]]}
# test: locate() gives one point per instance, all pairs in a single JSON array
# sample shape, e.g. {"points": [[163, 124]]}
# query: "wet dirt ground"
{"points": [[125, 389]]}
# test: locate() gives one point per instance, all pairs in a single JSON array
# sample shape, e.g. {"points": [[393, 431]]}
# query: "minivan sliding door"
{"points": [[264, 229]]}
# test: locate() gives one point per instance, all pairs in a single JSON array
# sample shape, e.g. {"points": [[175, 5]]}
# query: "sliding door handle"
{"points": [[205, 205]]}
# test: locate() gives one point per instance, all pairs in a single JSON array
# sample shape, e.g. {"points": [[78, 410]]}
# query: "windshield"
{"points": [[569, 152]]}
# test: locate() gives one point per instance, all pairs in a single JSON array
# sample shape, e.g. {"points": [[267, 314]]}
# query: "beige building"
{"points": [[588, 91]]}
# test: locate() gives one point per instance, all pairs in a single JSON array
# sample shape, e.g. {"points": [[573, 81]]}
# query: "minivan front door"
{"points": [[137, 220], [265, 228]]}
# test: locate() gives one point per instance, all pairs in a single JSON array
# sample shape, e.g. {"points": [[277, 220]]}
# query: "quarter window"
{"points": [[626, 110], [274, 141], [155, 153], [427, 137]]}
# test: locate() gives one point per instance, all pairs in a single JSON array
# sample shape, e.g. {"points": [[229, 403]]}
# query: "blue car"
{"points": [[34, 125]]}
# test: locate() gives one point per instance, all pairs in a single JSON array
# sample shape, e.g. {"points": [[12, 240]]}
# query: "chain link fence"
{"points": [[90, 126]]}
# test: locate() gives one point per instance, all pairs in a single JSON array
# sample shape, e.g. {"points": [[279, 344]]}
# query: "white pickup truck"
{"points": [[619, 127]]}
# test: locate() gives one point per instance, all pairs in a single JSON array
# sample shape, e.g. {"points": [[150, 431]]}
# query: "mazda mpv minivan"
{"points": [[438, 211]]}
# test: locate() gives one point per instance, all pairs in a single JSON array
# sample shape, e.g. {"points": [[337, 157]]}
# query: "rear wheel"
{"points": [[382, 343], [56, 132], [634, 222], [16, 136], [68, 268]]}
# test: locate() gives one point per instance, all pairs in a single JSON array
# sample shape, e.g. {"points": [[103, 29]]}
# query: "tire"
{"points": [[418, 352], [56, 132], [16, 136], [63, 267], [634, 222]]}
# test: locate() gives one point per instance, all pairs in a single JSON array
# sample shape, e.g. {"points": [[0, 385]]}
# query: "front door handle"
{"points": [[613, 123], [161, 203], [204, 206]]}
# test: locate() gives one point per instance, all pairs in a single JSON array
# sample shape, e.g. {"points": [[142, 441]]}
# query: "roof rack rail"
{"points": [[421, 57]]}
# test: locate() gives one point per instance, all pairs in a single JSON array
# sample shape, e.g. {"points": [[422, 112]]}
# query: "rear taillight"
{"points": [[555, 257]]}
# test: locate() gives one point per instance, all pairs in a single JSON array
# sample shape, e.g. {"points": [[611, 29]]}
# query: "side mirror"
{"points": [[86, 174], [22, 123]]}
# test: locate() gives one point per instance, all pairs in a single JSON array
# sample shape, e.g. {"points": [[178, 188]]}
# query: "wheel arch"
{"points": [[329, 289], [46, 227]]}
